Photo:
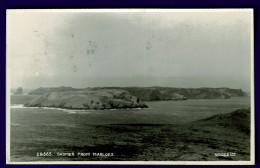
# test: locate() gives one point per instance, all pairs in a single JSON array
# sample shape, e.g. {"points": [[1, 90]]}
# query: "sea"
{"points": [[159, 112], [45, 134]]}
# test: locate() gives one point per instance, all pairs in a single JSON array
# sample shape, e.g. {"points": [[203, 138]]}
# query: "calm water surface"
{"points": [[159, 112]]}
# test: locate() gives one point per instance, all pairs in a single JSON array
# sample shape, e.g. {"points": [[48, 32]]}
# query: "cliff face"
{"points": [[88, 99], [200, 93], [167, 93], [232, 92]]}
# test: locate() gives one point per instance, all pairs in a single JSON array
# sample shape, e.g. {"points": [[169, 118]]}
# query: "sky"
{"points": [[88, 48]]}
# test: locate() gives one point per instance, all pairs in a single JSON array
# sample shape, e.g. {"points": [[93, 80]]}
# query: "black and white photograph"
{"points": [[130, 86]]}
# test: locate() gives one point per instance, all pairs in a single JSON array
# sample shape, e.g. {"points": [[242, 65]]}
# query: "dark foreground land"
{"points": [[194, 141]]}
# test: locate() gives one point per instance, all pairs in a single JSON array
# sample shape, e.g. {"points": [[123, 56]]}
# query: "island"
{"points": [[98, 99], [157, 93]]}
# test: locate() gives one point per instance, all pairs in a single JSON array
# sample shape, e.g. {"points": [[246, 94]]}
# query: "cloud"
{"points": [[93, 45]]}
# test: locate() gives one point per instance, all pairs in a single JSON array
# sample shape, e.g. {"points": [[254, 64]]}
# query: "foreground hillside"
{"points": [[87, 99], [159, 93], [195, 141]]}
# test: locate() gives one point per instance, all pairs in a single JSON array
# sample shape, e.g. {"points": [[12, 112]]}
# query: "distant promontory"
{"points": [[158, 93]]}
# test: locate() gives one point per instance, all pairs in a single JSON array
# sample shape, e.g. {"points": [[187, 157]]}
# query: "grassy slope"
{"points": [[193, 141]]}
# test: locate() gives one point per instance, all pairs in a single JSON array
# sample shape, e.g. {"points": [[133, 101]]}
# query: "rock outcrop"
{"points": [[19, 91], [88, 99]]}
